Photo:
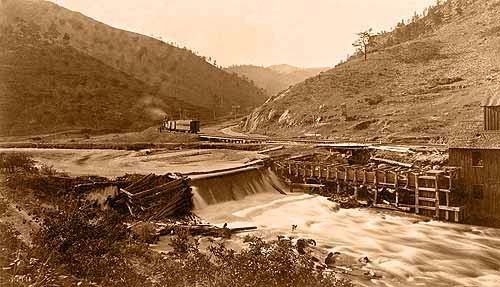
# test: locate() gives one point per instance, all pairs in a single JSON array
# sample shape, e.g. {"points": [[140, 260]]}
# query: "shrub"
{"points": [[17, 161], [273, 263], [374, 100], [87, 243]]}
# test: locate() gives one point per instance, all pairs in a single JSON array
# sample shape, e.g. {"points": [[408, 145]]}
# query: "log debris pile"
{"points": [[154, 198]]}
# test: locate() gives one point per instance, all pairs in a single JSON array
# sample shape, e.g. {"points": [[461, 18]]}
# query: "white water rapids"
{"points": [[405, 250]]}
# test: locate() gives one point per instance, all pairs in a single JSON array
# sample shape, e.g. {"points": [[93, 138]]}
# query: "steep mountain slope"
{"points": [[275, 79], [418, 81], [46, 87], [171, 71]]}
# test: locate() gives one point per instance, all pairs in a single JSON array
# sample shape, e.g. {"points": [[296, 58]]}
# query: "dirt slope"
{"points": [[418, 81], [275, 79], [172, 72]]}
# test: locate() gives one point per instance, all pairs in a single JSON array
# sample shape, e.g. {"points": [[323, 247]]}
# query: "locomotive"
{"points": [[187, 126]]}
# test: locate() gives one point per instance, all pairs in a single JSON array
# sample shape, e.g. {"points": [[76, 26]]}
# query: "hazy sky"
{"points": [[262, 32]]}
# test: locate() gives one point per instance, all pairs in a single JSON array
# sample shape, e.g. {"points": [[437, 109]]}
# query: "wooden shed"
{"points": [[491, 107], [475, 148]]}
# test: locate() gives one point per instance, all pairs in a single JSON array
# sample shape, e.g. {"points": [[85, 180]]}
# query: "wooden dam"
{"points": [[431, 193]]}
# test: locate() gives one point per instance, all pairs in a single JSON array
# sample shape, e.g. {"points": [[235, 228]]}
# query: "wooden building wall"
{"points": [[492, 118], [485, 175]]}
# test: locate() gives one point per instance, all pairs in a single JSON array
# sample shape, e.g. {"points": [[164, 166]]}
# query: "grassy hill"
{"points": [[46, 87], [47, 48], [419, 80], [275, 79]]}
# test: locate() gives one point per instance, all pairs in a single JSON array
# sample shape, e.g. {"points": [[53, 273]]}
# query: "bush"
{"points": [[87, 243], [374, 100], [274, 263], [17, 161]]}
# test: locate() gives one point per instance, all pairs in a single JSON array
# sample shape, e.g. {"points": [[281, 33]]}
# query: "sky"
{"points": [[303, 33]]}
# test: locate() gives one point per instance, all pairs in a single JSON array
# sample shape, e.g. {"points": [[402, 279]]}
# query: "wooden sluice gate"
{"points": [[431, 193]]}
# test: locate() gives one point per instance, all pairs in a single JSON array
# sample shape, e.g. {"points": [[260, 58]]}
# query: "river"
{"points": [[405, 250]]}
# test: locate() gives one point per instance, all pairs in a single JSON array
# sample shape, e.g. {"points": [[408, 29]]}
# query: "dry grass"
{"points": [[428, 83]]}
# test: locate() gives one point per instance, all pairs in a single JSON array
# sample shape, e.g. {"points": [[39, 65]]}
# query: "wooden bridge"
{"points": [[430, 193]]}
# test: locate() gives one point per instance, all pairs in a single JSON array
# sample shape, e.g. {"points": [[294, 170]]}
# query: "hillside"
{"points": [[448, 60], [47, 87], [274, 79], [166, 71]]}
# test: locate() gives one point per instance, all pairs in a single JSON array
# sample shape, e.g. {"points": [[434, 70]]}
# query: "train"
{"points": [[187, 126]]}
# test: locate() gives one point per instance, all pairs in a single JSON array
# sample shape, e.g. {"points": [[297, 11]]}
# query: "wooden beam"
{"points": [[437, 195], [417, 194], [393, 162]]}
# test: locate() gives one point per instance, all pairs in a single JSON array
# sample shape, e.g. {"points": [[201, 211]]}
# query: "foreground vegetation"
{"points": [[81, 243]]}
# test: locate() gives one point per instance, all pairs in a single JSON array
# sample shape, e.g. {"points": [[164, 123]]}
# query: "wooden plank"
{"points": [[128, 194], [437, 195], [417, 195], [271, 149], [308, 185], [428, 177], [393, 162], [426, 207], [451, 208], [431, 189], [141, 182]]}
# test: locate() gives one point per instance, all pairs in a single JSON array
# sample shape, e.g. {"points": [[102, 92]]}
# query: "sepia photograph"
{"points": [[252, 143]]}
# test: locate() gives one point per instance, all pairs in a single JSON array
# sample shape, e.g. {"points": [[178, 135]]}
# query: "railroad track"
{"points": [[319, 143]]}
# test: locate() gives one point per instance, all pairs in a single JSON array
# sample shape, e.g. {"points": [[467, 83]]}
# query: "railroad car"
{"points": [[187, 126]]}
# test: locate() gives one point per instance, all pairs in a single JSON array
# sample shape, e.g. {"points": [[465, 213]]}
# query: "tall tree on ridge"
{"points": [[364, 41]]}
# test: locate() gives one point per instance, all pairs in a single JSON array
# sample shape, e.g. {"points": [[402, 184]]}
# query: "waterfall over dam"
{"points": [[234, 185]]}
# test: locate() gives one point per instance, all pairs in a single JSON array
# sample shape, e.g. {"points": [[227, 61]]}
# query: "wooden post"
{"points": [[447, 213], [437, 195], [327, 172], [407, 185], [396, 187], [289, 169], [355, 180], [376, 187], [312, 170], [417, 194]]}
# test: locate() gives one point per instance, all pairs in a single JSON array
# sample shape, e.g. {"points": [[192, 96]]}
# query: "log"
{"points": [[242, 229], [278, 188], [203, 230], [393, 162], [170, 185], [306, 185], [393, 149], [301, 156], [271, 149], [140, 182]]}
